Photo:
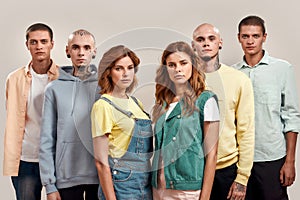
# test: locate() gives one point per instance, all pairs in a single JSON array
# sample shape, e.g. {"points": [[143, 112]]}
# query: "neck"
{"points": [[253, 59], [180, 91], [82, 72], [41, 66], [119, 93], [211, 65]]}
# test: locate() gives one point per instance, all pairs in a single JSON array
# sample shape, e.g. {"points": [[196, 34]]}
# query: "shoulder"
{"points": [[232, 71], [204, 96], [281, 63], [16, 73]]}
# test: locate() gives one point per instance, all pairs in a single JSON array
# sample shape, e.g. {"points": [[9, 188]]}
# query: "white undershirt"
{"points": [[31, 140], [211, 110]]}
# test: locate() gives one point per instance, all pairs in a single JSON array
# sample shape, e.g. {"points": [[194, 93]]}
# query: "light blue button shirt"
{"points": [[276, 105]]}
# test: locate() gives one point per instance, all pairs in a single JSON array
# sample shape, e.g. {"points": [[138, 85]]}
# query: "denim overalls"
{"points": [[131, 174]]}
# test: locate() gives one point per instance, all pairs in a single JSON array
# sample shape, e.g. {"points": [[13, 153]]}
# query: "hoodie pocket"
{"points": [[75, 161]]}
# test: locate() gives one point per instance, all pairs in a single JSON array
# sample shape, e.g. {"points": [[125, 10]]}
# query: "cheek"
{"points": [[188, 72]]}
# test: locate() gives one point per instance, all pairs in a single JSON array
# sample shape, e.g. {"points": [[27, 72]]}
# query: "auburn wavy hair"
{"points": [[165, 88], [109, 60]]}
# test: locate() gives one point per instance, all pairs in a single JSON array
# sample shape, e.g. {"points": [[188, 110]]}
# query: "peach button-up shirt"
{"points": [[18, 84]]}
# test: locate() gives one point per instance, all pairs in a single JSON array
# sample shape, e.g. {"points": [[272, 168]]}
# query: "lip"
{"points": [[125, 80], [250, 48], [40, 52], [178, 76]]}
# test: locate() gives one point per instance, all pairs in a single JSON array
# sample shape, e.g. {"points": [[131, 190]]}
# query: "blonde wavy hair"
{"points": [[165, 88]]}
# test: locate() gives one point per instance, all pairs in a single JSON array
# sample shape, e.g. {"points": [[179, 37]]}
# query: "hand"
{"points": [[53, 196], [287, 174], [237, 191]]}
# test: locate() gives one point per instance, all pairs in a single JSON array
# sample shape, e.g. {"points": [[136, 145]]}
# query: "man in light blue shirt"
{"points": [[277, 117]]}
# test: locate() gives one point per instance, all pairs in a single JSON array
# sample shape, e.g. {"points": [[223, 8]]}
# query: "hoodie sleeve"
{"points": [[48, 142]]}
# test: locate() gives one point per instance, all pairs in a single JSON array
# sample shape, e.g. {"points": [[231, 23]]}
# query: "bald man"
{"points": [[236, 101], [67, 165]]}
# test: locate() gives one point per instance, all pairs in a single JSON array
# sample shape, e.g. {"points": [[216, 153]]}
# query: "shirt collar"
{"points": [[52, 69], [263, 61]]}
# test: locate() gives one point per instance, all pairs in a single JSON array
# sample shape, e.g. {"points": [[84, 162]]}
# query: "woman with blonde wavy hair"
{"points": [[122, 132], [186, 129]]}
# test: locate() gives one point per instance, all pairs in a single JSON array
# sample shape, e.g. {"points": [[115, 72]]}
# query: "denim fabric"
{"points": [[131, 173], [28, 184]]}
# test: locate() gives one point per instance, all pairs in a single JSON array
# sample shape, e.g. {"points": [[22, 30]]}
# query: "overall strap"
{"points": [[127, 113], [136, 101]]}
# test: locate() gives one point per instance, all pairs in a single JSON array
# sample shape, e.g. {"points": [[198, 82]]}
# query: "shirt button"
{"points": [[115, 161], [178, 116], [174, 138], [171, 182], [172, 161]]}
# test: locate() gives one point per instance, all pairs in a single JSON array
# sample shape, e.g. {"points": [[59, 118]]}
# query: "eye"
{"points": [[256, 36], [244, 36], [44, 41], [199, 40], [87, 48], [212, 38], [32, 42], [130, 67], [171, 65]]}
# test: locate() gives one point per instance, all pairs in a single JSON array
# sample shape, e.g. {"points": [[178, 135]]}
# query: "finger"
{"points": [[229, 193], [281, 178]]}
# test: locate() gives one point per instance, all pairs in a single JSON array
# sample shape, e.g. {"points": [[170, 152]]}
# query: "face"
{"points": [[39, 44], [81, 49], [251, 38], [179, 66], [206, 42], [122, 73]]}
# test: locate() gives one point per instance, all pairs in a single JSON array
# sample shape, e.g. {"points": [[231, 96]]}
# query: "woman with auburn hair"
{"points": [[122, 132], [186, 129]]}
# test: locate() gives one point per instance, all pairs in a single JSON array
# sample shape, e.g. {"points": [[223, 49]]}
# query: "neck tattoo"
{"points": [[82, 72]]}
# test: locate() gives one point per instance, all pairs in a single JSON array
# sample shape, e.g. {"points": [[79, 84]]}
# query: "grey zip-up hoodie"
{"points": [[66, 150]]}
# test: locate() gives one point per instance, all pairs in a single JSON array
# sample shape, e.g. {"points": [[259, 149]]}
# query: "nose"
{"points": [[178, 68], [205, 43], [39, 45], [250, 40], [81, 52], [125, 73]]}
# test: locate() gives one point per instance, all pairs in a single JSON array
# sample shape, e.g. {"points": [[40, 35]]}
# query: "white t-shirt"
{"points": [[211, 110], [31, 140]]}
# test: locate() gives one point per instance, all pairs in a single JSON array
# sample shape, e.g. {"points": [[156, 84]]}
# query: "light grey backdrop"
{"points": [[147, 27]]}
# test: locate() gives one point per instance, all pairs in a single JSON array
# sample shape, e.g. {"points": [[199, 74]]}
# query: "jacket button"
{"points": [[115, 172], [171, 182], [172, 161], [115, 161], [174, 138], [178, 116]]}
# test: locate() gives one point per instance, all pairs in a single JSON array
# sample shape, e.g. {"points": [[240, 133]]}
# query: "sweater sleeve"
{"points": [[245, 131], [48, 142]]}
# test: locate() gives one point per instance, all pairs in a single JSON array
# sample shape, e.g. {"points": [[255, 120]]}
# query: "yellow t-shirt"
{"points": [[108, 120]]}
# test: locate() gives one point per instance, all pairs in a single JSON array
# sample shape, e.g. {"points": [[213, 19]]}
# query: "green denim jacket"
{"points": [[178, 140]]}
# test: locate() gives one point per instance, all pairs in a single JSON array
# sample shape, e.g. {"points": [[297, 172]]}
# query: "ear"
{"points": [[94, 53], [26, 44], [193, 46], [220, 43], [265, 37], [52, 44], [238, 36], [67, 52]]}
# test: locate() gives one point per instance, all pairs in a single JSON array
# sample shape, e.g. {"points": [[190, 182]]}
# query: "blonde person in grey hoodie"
{"points": [[66, 154]]}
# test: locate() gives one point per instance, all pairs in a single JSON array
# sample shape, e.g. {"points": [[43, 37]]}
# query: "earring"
{"points": [[93, 56], [220, 47], [68, 56]]}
